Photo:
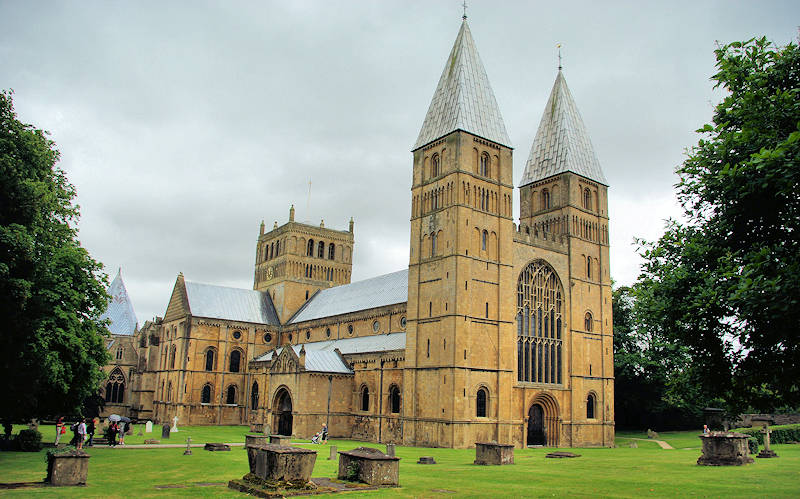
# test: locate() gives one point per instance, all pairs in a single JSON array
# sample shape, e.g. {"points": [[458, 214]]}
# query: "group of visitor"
{"points": [[321, 437], [84, 429]]}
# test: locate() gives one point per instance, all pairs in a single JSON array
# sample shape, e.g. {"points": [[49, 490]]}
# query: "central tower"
{"points": [[459, 355]]}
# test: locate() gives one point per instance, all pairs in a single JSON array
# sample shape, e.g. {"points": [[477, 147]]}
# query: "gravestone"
{"points": [[369, 465], [426, 460], [174, 425], [280, 439], [285, 463], [722, 448], [333, 455], [216, 447], [149, 441], [633, 445], [390, 450], [766, 452], [165, 430], [148, 427], [493, 453], [561, 455], [188, 451], [252, 443]]}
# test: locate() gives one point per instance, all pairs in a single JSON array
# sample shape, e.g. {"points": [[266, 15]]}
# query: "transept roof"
{"points": [[120, 308], [463, 99], [236, 304], [562, 143]]}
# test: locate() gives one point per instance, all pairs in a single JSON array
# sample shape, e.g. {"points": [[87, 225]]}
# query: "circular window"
{"points": [[267, 338], [237, 334], [349, 329], [328, 332], [308, 334], [376, 326], [290, 337], [403, 322]]}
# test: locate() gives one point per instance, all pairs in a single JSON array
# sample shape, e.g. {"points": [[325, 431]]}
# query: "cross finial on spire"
{"points": [[464, 5], [559, 56]]}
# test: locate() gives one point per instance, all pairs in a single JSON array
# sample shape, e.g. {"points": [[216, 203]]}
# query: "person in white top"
{"points": [[81, 434]]}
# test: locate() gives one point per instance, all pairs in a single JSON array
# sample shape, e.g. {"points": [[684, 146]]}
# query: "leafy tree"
{"points": [[51, 291], [725, 284]]}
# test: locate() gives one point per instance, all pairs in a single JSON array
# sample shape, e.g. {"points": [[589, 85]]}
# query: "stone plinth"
{"points": [[369, 465], [257, 427], [70, 468], [216, 447], [285, 463], [333, 455], [280, 439], [493, 453], [252, 443], [721, 448]]}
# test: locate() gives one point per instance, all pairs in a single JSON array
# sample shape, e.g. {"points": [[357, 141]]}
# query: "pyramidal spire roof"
{"points": [[463, 99], [120, 308], [562, 143]]}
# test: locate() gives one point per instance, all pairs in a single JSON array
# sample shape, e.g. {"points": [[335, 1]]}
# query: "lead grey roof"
{"points": [[120, 308], [463, 99], [387, 289], [321, 357], [562, 143], [236, 304]]}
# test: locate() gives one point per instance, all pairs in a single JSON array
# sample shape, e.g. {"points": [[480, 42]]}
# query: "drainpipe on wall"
{"points": [[380, 405], [328, 416]]}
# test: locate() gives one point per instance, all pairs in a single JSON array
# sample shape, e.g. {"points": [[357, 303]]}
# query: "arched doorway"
{"points": [[536, 429], [282, 411]]}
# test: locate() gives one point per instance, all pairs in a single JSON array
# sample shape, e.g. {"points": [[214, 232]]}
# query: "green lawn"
{"points": [[620, 472]]}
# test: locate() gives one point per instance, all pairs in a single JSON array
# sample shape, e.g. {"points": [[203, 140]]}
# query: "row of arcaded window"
{"points": [[272, 250], [394, 399], [234, 360], [231, 395], [320, 249]]}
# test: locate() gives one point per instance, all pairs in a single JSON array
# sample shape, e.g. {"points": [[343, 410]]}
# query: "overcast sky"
{"points": [[184, 124]]}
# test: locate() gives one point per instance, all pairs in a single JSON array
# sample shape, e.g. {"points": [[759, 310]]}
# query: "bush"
{"points": [[753, 444], [780, 434], [29, 440]]}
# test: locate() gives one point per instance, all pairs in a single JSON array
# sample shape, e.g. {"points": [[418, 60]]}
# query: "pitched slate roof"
{"points": [[321, 357], [236, 304], [562, 143], [120, 308], [387, 289], [463, 99]]}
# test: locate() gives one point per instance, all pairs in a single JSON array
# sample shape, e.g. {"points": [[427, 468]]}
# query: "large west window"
{"points": [[540, 301]]}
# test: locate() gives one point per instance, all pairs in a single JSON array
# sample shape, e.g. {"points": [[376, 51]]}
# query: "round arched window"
{"points": [[349, 329], [267, 337], [290, 337], [308, 334], [328, 332], [237, 335], [376, 326], [403, 322]]}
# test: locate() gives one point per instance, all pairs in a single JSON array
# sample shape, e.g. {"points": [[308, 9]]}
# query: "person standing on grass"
{"points": [[81, 434], [123, 427], [90, 430], [112, 433], [324, 433], [59, 429]]}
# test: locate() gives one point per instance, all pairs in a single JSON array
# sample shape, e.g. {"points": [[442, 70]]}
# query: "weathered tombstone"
{"points": [[651, 434], [561, 455], [149, 441], [494, 453], [721, 448], [148, 427], [369, 465], [252, 443], [633, 445], [285, 463], [216, 447], [188, 451], [256, 427], [333, 455], [267, 429], [69, 468], [766, 452], [174, 424], [165, 430], [280, 439], [426, 460], [390, 450]]}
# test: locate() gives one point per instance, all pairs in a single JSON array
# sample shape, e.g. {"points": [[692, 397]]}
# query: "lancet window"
{"points": [[540, 303]]}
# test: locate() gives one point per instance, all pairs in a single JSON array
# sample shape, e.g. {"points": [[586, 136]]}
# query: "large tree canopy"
{"points": [[51, 291], [725, 284]]}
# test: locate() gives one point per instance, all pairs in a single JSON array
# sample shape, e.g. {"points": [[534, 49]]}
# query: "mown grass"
{"points": [[620, 472]]}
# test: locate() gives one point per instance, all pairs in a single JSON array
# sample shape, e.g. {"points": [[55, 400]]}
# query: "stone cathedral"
{"points": [[495, 331]]}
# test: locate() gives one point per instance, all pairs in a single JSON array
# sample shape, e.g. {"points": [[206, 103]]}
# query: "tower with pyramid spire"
{"points": [[460, 337]]}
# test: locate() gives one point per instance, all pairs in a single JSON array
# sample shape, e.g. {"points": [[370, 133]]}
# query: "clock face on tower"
{"points": [[269, 273]]}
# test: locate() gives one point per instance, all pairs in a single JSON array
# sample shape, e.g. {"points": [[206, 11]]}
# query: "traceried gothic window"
{"points": [[115, 387], [310, 249], [587, 199], [210, 359], [587, 322], [321, 250], [120, 352], [540, 302], [590, 403], [331, 251], [254, 396], [435, 165], [236, 358], [364, 398], [483, 168], [545, 199], [205, 395], [394, 399], [481, 403], [230, 397]]}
